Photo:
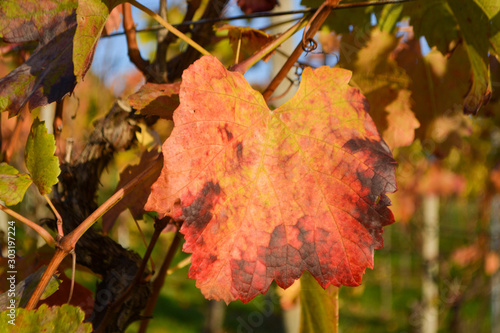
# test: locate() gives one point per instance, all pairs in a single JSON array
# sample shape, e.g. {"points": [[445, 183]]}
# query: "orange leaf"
{"points": [[135, 200], [266, 194], [156, 99]]}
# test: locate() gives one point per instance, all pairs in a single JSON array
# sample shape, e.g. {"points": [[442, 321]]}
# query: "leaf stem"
{"points": [[268, 48], [114, 307], [319, 17], [59, 221], [113, 200], [183, 263], [73, 269], [169, 27], [41, 231], [44, 280], [266, 14], [67, 243]]}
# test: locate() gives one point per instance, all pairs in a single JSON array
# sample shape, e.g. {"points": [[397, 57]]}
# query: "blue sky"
{"points": [[111, 61]]}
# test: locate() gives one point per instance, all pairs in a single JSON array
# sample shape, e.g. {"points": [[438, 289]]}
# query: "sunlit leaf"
{"points": [[156, 99], [26, 287], [439, 83], [474, 23], [55, 319], [384, 84], [13, 185], [39, 156], [246, 41], [91, 17], [344, 20], [136, 200], [265, 195], [47, 75]]}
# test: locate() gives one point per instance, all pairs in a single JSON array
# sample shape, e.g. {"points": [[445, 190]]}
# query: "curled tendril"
{"points": [[309, 45]]}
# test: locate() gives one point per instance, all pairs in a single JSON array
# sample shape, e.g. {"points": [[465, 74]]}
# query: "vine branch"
{"points": [[266, 14], [314, 25], [67, 243], [160, 280], [169, 27], [41, 231]]}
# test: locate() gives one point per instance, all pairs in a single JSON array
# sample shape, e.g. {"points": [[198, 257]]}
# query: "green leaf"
{"points": [[319, 307], [26, 287], [474, 25], [341, 20], [389, 17], [47, 75], [477, 23], [433, 19], [65, 318], [13, 185], [91, 15], [39, 156], [492, 9]]}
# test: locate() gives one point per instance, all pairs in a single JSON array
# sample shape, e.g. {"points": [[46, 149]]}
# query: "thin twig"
{"points": [[267, 14], [133, 48], [67, 244], [59, 221], [41, 231], [170, 28], [159, 281], [14, 138], [44, 280], [73, 269], [113, 308], [323, 13], [162, 44], [144, 241], [183, 263], [268, 48], [113, 200], [58, 127], [237, 60]]}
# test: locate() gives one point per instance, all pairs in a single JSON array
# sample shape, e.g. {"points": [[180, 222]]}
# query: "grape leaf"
{"points": [[48, 73], [344, 20], [438, 82], [65, 318], [269, 194], [39, 157], [256, 6], [246, 41], [26, 287], [136, 199], [474, 26], [402, 123], [156, 99], [114, 21], [477, 25], [91, 18], [433, 19], [384, 84], [13, 185]]}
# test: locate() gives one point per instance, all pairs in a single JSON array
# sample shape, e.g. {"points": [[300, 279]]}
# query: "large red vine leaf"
{"points": [[269, 194]]}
